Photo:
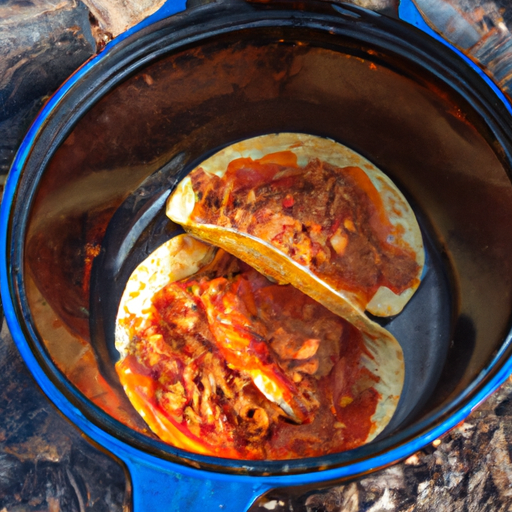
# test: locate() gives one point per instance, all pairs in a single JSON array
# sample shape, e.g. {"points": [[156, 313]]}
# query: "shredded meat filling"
{"points": [[261, 369], [329, 219]]}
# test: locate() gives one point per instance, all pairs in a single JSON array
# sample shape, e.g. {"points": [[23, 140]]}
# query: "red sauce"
{"points": [[331, 220], [193, 369]]}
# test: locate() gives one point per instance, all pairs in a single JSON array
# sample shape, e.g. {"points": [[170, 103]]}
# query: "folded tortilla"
{"points": [[311, 212], [198, 391]]}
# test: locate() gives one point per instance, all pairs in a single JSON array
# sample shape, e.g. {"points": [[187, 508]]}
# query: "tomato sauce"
{"points": [[232, 365], [331, 220]]}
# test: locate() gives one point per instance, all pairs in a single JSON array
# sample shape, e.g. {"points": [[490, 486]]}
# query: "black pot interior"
{"points": [[93, 194]]}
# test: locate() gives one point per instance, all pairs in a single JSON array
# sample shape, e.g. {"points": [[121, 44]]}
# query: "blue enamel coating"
{"points": [[159, 484]]}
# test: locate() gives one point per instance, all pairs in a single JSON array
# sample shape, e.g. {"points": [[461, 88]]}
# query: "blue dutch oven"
{"points": [[90, 179]]}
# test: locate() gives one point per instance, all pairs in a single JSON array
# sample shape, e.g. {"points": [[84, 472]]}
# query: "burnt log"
{"points": [[41, 44]]}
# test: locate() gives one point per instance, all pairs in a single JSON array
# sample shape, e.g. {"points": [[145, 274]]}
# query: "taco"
{"points": [[311, 212], [221, 361]]}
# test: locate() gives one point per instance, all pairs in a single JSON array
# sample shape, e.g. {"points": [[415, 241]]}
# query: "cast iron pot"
{"points": [[89, 182]]}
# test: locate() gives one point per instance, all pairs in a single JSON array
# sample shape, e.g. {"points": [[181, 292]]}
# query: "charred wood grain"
{"points": [[41, 44], [45, 463], [469, 469]]}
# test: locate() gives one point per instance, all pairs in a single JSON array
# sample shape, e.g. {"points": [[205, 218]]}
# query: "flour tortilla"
{"points": [[275, 264], [182, 257]]}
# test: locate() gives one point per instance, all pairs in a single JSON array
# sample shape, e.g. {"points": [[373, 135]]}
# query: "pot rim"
{"points": [[57, 119]]}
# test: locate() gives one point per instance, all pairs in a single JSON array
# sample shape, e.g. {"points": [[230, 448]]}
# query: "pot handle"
{"points": [[168, 8], [160, 487], [409, 12]]}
